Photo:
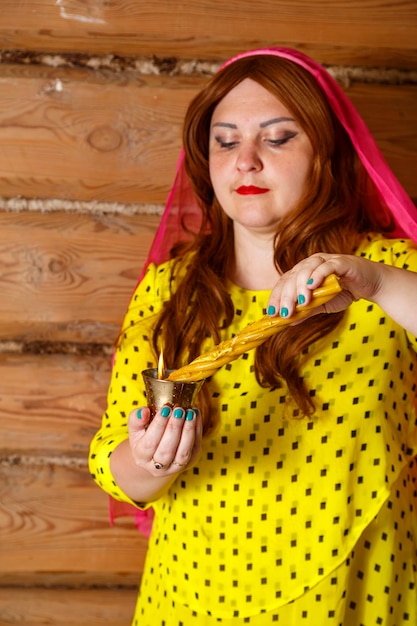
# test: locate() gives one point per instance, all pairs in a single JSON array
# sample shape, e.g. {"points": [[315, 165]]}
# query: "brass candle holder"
{"points": [[160, 391]]}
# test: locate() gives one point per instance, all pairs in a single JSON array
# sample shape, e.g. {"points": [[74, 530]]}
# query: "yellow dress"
{"points": [[282, 520]]}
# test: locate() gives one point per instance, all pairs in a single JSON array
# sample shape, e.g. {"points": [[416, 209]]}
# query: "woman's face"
{"points": [[259, 158]]}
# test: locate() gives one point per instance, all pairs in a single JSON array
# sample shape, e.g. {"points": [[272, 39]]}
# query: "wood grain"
{"points": [[90, 139], [67, 607], [51, 405], [118, 140], [68, 276], [55, 519], [369, 31]]}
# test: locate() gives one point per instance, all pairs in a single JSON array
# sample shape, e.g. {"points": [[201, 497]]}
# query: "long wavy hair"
{"points": [[332, 217]]}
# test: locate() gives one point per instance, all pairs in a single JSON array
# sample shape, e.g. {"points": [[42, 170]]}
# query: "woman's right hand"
{"points": [[167, 444]]}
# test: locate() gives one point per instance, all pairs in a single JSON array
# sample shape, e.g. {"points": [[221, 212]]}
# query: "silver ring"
{"points": [[157, 464]]}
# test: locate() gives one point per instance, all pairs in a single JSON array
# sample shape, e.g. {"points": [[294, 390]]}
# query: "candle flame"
{"points": [[161, 365]]}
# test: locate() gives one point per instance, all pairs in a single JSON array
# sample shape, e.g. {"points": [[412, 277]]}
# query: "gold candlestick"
{"points": [[161, 391], [252, 336]]}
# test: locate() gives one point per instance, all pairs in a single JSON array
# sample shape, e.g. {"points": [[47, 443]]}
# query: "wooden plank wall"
{"points": [[92, 94]]}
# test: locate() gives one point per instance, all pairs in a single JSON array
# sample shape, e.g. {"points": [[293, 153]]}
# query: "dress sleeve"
{"points": [[126, 391], [404, 256], [401, 253]]}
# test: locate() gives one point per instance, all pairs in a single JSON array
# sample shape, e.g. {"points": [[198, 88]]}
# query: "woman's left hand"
{"points": [[359, 278]]}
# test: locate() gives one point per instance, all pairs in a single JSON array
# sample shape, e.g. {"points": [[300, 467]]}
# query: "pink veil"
{"points": [[181, 202]]}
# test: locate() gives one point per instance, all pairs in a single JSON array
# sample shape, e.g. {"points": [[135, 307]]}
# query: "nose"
{"points": [[248, 158]]}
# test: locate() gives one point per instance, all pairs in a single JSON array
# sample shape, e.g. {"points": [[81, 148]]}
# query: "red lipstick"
{"points": [[250, 190]]}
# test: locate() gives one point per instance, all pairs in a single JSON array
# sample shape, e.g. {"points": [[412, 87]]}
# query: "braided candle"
{"points": [[251, 336]]}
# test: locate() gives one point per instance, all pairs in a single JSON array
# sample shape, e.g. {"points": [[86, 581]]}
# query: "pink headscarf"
{"points": [[182, 202]]}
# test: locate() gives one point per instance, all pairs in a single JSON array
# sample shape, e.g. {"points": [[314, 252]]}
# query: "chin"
{"points": [[261, 228]]}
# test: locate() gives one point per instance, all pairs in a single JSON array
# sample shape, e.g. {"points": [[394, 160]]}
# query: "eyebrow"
{"points": [[275, 120], [224, 124]]}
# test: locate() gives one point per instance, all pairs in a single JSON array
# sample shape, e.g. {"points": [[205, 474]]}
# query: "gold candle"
{"points": [[252, 336]]}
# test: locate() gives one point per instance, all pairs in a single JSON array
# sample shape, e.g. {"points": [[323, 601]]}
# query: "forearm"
{"points": [[397, 296]]}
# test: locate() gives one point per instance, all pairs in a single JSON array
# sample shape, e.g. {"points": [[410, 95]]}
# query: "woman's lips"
{"points": [[247, 191]]}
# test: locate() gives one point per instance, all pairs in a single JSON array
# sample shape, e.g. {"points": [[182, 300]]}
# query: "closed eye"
{"points": [[283, 140], [225, 144]]}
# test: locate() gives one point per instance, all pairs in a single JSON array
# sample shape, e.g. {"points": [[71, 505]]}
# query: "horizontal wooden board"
{"points": [[88, 136], [74, 136], [370, 31], [66, 607], [54, 519], [68, 276], [74, 580], [51, 405]]}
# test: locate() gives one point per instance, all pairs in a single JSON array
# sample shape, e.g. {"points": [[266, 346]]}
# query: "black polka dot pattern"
{"points": [[286, 520]]}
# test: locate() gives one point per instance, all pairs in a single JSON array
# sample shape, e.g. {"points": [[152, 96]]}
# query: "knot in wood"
{"points": [[56, 266], [105, 139]]}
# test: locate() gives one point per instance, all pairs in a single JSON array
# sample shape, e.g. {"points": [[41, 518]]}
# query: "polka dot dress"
{"points": [[285, 520]]}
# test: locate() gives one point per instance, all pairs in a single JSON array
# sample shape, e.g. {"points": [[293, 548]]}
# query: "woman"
{"points": [[288, 495]]}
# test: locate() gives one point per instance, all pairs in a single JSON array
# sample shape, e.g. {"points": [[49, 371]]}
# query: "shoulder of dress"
{"points": [[379, 248]]}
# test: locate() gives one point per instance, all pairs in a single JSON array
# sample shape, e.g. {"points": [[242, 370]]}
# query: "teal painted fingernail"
{"points": [[165, 411], [189, 415], [179, 413], [139, 414], [271, 310], [284, 311], [301, 299], [310, 281]]}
